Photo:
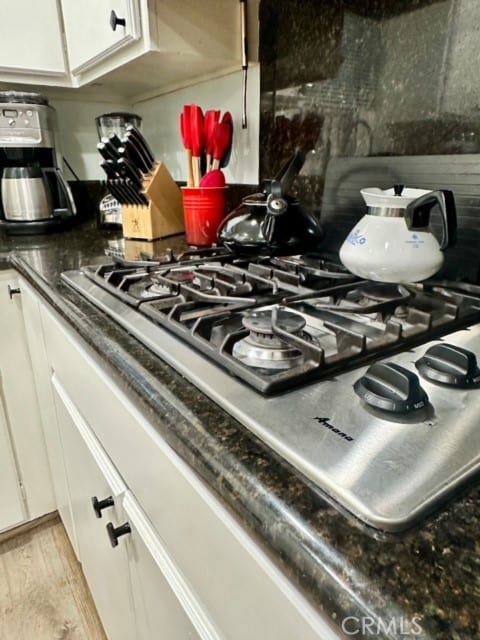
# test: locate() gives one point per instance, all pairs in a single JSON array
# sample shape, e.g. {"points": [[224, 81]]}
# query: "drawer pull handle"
{"points": [[99, 505], [13, 292], [115, 21], [114, 533]]}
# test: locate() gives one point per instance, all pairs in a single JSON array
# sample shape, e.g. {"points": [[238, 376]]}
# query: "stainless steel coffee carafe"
{"points": [[25, 194]]}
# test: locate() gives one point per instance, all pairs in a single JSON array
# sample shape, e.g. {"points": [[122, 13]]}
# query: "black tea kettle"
{"points": [[272, 222]]}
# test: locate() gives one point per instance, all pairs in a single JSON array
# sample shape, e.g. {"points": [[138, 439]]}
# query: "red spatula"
{"points": [[187, 141], [223, 139], [197, 133], [227, 117], [211, 119]]}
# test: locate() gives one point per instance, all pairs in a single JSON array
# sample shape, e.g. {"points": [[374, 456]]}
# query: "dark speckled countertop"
{"points": [[430, 576]]}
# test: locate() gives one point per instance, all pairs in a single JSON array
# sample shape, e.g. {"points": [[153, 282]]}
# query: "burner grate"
{"points": [[335, 322]]}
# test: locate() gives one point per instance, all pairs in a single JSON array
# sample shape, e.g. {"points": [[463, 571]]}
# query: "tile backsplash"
{"points": [[355, 78]]}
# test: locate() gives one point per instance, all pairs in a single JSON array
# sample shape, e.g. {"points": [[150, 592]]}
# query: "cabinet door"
{"points": [[89, 33], [32, 40], [11, 504], [164, 602], [90, 474], [19, 400], [41, 375]]}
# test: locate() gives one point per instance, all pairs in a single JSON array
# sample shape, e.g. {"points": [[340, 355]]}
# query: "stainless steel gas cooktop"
{"points": [[371, 391]]}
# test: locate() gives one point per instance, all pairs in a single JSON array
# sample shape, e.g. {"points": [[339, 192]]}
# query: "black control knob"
{"points": [[115, 21], [390, 387], [448, 364], [100, 505], [114, 533]]}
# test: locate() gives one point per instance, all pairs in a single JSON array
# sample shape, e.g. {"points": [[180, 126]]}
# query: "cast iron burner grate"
{"points": [[317, 319]]}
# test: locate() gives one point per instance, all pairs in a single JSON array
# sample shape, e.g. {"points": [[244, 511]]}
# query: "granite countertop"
{"points": [[427, 581]]}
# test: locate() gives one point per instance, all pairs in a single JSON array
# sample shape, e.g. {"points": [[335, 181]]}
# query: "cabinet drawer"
{"points": [[237, 584]]}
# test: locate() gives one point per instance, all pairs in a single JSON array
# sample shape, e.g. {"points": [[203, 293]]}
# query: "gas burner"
{"points": [[261, 322], [385, 292], [263, 348], [160, 289]]}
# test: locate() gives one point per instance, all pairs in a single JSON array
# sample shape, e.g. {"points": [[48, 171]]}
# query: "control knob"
{"points": [[390, 387], [448, 364]]}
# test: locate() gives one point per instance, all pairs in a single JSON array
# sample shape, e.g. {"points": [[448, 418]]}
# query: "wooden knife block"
{"points": [[163, 216]]}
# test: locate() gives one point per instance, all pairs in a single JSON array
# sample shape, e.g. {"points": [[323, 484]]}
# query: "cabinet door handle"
{"points": [[12, 292], [114, 533], [99, 505], [115, 21]]}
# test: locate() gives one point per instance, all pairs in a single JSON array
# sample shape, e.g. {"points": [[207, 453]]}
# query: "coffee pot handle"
{"points": [[63, 186], [417, 214]]}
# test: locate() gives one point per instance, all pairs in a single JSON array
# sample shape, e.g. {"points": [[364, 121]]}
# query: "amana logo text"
{"points": [[341, 434]]}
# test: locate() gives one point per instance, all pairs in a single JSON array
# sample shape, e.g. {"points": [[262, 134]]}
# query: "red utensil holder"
{"points": [[204, 208]]}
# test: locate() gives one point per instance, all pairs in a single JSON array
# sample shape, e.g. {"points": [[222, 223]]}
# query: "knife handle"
{"points": [[139, 197], [115, 140], [109, 167], [141, 142], [132, 153], [128, 170], [112, 187]]}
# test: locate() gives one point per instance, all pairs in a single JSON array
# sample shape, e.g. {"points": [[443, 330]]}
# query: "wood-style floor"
{"points": [[43, 594]]}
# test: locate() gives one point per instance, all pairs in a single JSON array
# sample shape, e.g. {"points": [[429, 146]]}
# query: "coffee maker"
{"points": [[35, 197]]}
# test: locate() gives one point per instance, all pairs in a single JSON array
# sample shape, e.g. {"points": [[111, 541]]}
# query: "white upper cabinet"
{"points": [[95, 30], [31, 39], [133, 48]]}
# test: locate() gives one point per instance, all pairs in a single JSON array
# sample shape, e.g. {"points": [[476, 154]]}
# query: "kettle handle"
{"points": [[290, 170], [417, 214], [284, 178], [63, 186]]}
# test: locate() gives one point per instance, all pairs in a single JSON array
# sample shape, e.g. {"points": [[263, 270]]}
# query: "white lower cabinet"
{"points": [[25, 486], [127, 568], [184, 567], [162, 597], [91, 477], [12, 508]]}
